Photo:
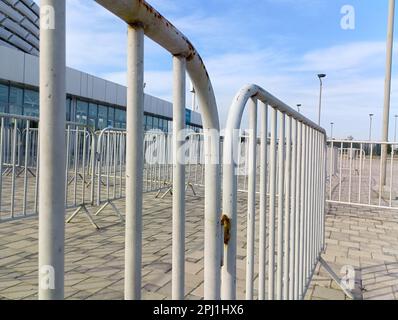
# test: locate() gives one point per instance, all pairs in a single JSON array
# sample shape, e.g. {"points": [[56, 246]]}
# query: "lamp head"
{"points": [[321, 75]]}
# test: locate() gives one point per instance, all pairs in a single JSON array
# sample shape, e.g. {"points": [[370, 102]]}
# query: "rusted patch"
{"points": [[226, 223]]}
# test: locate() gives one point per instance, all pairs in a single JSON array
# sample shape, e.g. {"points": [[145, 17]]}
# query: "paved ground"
{"points": [[365, 239]]}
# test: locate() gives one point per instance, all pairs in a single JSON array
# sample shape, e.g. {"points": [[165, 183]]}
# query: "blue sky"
{"points": [[278, 44]]}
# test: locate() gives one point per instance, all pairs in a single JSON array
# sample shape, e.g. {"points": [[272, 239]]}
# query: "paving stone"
{"points": [[328, 293]]}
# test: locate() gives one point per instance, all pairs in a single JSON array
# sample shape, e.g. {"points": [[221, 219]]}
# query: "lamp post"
{"points": [[370, 126], [387, 90], [298, 107], [331, 130], [320, 76]]}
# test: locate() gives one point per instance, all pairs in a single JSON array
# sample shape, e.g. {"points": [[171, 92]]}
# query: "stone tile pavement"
{"points": [[363, 238]]}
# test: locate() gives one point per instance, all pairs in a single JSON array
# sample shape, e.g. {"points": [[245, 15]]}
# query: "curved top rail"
{"points": [[162, 31], [252, 90]]}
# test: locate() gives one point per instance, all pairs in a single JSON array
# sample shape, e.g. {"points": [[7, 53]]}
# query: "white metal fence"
{"points": [[355, 174], [292, 217], [82, 168]]}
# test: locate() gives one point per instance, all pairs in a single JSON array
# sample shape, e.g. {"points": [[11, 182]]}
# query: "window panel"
{"points": [[155, 122], [102, 117], [111, 117], [16, 100], [4, 91], [67, 108], [31, 103], [81, 112], [92, 115]]}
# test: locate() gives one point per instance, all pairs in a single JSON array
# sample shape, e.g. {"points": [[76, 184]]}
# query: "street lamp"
{"points": [[370, 126], [331, 130], [320, 76], [298, 107]]}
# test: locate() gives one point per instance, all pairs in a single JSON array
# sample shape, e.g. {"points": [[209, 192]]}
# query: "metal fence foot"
{"points": [[102, 208], [87, 213], [117, 212], [336, 278]]}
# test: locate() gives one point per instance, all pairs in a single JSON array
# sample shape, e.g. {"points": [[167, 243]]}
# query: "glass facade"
{"points": [[16, 101], [120, 119], [19, 101], [102, 122], [4, 94], [31, 103], [92, 115]]}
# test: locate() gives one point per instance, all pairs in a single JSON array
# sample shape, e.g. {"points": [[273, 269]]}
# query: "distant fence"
{"points": [[95, 166], [355, 176]]}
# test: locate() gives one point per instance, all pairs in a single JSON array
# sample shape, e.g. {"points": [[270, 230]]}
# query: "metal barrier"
{"points": [[18, 167], [296, 169], [296, 212], [158, 162], [141, 19], [80, 169], [357, 178]]}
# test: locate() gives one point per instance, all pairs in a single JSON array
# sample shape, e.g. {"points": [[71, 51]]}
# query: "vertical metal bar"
{"points": [[93, 165], [307, 211], [25, 179], [134, 162], [76, 156], [230, 182], [381, 185], [121, 153], [14, 159], [287, 221], [212, 259], [318, 195], [1, 160], [179, 87], [351, 155], [297, 252], [263, 200], [84, 166], [293, 211], [281, 209], [360, 173], [67, 164], [272, 206], [37, 174], [341, 170], [99, 166], [302, 210], [331, 169], [391, 172], [108, 164], [370, 174], [251, 198], [323, 209], [115, 146], [52, 149]]}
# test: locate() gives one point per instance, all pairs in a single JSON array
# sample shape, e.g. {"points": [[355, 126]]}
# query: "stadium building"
{"points": [[90, 100]]}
